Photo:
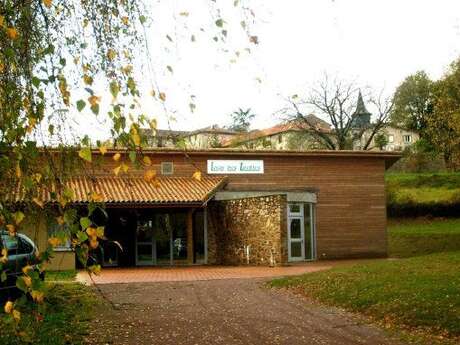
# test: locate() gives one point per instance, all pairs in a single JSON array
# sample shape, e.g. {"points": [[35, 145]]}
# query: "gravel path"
{"points": [[231, 311]]}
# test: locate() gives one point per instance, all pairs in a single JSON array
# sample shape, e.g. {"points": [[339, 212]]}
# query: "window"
{"points": [[17, 245], [407, 138], [280, 139], [391, 138], [167, 168], [60, 232]]}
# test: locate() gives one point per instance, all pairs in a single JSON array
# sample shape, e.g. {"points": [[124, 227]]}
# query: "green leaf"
{"points": [[85, 222], [81, 104], [95, 109], [82, 236], [20, 284], [3, 276], [35, 82], [220, 22], [132, 156], [114, 89], [85, 153], [142, 19], [170, 69]]}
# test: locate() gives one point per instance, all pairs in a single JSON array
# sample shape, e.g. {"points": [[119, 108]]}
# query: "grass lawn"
{"points": [[419, 294], [423, 236], [424, 188], [66, 316], [68, 275]]}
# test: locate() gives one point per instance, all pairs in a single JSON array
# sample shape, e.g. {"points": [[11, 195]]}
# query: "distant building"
{"points": [[292, 135], [397, 138]]}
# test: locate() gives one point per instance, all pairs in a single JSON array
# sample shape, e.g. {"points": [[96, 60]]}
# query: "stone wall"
{"points": [[235, 224]]}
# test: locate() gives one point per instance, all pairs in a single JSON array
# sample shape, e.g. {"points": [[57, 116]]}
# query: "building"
{"points": [[291, 135], [396, 138], [203, 138], [249, 207]]}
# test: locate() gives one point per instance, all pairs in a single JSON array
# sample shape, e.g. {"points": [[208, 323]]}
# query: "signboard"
{"points": [[235, 167]]}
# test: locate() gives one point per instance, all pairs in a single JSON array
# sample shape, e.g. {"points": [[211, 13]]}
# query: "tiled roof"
{"points": [[280, 128], [134, 189]]}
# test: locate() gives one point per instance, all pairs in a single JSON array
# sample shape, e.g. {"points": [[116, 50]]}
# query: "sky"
{"points": [[375, 43]]}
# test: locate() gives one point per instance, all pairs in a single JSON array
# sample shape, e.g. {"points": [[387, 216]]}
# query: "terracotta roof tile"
{"points": [[119, 190]]}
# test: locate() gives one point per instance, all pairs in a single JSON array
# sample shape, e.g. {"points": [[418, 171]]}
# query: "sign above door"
{"points": [[235, 166]]}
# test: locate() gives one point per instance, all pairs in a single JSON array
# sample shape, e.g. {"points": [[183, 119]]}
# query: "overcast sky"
{"points": [[375, 42]]}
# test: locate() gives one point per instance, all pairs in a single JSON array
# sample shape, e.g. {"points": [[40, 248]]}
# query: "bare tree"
{"points": [[342, 105]]}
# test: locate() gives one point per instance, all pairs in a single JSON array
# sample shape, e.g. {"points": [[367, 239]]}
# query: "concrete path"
{"points": [[222, 311]]}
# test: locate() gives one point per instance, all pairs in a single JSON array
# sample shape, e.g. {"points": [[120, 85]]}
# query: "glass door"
{"points": [[296, 232], [145, 243]]}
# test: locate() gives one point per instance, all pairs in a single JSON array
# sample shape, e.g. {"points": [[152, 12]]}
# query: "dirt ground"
{"points": [[229, 311]]}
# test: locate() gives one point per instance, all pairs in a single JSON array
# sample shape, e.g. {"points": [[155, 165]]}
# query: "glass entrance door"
{"points": [[301, 232], [296, 232], [145, 243]]}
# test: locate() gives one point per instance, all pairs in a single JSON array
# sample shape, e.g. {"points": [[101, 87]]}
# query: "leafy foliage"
{"points": [[241, 120]]}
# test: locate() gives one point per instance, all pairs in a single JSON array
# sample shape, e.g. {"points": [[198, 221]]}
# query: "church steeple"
{"points": [[361, 117]]}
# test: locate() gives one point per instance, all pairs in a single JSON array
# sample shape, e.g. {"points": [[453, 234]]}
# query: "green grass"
{"points": [[420, 293], [67, 313], [423, 236], [68, 275], [423, 188]]}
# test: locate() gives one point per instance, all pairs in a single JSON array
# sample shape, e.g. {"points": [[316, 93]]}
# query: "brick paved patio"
{"points": [[197, 273]]}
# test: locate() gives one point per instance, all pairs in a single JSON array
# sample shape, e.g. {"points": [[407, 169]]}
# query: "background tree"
{"points": [[336, 101], [60, 54], [413, 103], [241, 120], [443, 125]]}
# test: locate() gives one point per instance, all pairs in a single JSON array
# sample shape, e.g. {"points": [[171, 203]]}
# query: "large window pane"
{"points": [[296, 249], [296, 231], [308, 225]]}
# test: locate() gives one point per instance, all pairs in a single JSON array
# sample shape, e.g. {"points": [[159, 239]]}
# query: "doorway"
{"points": [[301, 232]]}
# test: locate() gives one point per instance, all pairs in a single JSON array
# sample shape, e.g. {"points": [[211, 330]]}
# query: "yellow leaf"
{"points": [[162, 96], [4, 257], [153, 124], [96, 269], [103, 149], [197, 175], [8, 307], [37, 296], [184, 14], [152, 93], [136, 139], [111, 54], [2, 21], [38, 202], [147, 161], [47, 3], [18, 217], [26, 269], [94, 100], [116, 157], [96, 197], [93, 244], [150, 175], [100, 231], [88, 80], [11, 229], [12, 33], [125, 20], [27, 280], [17, 315], [116, 170], [91, 232], [124, 167], [60, 220], [54, 241]]}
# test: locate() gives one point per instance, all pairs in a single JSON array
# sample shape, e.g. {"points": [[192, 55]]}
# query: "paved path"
{"points": [[230, 311], [196, 273]]}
